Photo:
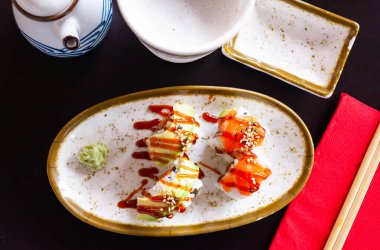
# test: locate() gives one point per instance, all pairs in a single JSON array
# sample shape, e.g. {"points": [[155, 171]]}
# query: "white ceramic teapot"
{"points": [[63, 28]]}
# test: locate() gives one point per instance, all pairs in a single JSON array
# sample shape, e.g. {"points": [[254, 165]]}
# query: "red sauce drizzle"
{"points": [[180, 209], [201, 174], [154, 156], [155, 211], [152, 198], [128, 202], [158, 198], [216, 171], [209, 118], [141, 143], [175, 185], [165, 143], [141, 155], [149, 172], [164, 110], [151, 125], [152, 211], [186, 156], [185, 119]]}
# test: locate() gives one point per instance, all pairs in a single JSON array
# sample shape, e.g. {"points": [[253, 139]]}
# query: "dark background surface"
{"points": [[40, 94]]}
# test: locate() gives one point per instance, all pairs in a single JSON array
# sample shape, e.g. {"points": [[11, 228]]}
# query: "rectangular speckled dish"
{"points": [[296, 42]]}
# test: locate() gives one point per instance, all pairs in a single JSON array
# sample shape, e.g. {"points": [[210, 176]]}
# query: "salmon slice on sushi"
{"points": [[243, 177], [237, 134]]}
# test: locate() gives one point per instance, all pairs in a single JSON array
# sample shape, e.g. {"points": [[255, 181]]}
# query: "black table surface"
{"points": [[40, 94]]}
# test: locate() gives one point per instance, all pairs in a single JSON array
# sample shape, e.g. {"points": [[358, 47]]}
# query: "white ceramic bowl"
{"points": [[184, 30]]}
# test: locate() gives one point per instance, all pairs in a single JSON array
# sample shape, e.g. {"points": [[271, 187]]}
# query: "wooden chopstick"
{"points": [[356, 195]]}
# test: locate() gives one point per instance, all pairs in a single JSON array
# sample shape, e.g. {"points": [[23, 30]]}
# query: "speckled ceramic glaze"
{"points": [[296, 42], [93, 197]]}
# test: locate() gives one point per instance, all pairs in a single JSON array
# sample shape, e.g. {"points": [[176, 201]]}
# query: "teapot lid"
{"points": [[45, 10]]}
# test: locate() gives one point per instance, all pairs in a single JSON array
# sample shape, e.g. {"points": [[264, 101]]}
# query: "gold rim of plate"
{"points": [[118, 227], [325, 92]]}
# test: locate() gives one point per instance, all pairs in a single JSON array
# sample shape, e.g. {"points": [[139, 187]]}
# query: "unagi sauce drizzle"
{"points": [[149, 173], [150, 125], [144, 155], [141, 143], [185, 119], [128, 202], [163, 110], [209, 118], [166, 143], [201, 174], [216, 171]]}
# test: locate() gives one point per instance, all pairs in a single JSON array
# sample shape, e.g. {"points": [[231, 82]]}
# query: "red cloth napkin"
{"points": [[310, 218]]}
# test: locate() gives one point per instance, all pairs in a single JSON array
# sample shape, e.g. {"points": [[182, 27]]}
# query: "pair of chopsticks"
{"points": [[356, 195]]}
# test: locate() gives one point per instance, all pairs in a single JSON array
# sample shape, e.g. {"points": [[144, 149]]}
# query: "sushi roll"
{"points": [[243, 177], [237, 134], [172, 193], [174, 135]]}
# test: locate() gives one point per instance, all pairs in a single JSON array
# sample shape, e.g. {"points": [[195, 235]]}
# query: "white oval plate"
{"points": [[93, 197]]}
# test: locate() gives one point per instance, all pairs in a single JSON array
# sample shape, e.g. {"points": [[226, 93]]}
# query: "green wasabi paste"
{"points": [[94, 155]]}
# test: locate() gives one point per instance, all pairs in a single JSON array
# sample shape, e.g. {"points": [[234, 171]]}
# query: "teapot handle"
{"points": [[68, 31], [50, 18]]}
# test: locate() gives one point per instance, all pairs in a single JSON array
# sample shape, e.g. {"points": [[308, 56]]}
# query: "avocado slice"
{"points": [[146, 217], [153, 205], [226, 112], [239, 111], [185, 109]]}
